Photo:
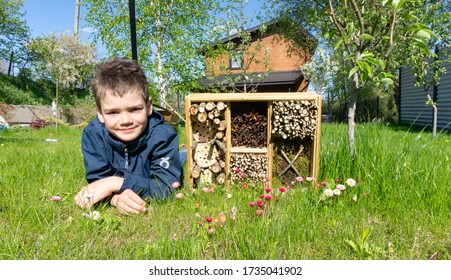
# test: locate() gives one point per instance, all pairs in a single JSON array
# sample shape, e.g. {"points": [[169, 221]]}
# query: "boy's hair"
{"points": [[118, 76]]}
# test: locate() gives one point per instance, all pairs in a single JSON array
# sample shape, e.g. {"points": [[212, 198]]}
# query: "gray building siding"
{"points": [[413, 109]]}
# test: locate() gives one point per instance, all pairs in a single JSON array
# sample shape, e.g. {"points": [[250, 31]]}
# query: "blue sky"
{"points": [[45, 17]]}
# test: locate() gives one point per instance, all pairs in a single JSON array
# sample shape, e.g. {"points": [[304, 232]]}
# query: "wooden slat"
{"points": [[245, 150], [261, 96]]}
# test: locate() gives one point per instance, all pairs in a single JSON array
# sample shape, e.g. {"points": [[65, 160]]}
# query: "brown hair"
{"points": [[118, 76]]}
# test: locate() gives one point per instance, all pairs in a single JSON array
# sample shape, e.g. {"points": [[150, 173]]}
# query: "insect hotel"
{"points": [[261, 136]]}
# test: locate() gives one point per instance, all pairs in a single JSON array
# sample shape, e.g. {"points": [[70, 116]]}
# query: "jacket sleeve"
{"points": [[165, 168], [95, 155]]}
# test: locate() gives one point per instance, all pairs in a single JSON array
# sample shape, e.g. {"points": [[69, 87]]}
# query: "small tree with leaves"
{"points": [[61, 58], [426, 58], [366, 31], [14, 34]]}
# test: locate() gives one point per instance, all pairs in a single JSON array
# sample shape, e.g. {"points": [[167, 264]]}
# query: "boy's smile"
{"points": [[125, 117]]}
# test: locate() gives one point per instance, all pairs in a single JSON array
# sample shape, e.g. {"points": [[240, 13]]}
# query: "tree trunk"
{"points": [[10, 67], [56, 101], [434, 112], [351, 114]]}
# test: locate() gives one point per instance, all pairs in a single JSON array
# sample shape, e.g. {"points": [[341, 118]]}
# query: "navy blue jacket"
{"points": [[149, 165]]}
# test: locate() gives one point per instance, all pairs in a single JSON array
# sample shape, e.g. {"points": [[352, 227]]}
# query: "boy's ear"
{"points": [[99, 115]]}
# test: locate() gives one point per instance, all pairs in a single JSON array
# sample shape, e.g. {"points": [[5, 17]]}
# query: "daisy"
{"points": [[328, 193], [341, 187], [95, 215], [350, 182], [211, 230], [222, 217], [336, 192]]}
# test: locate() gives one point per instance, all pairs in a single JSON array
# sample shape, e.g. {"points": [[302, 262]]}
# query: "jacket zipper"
{"points": [[126, 158]]}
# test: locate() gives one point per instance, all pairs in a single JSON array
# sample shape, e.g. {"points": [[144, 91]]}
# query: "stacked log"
{"points": [[208, 138], [248, 165], [294, 119], [249, 125]]}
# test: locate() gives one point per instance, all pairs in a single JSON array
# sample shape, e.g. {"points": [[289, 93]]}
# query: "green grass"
{"points": [[403, 199]]}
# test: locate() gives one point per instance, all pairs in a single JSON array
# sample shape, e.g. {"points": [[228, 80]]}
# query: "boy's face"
{"points": [[125, 117]]}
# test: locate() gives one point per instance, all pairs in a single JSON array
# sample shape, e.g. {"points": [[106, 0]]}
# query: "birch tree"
{"points": [[169, 36]]}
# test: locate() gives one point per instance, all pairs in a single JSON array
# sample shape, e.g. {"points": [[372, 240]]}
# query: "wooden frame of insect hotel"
{"points": [[234, 137]]}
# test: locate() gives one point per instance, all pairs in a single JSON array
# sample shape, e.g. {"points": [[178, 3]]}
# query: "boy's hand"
{"points": [[128, 203], [98, 190]]}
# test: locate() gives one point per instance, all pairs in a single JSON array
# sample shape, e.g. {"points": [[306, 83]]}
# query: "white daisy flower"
{"points": [[328, 193], [350, 182]]}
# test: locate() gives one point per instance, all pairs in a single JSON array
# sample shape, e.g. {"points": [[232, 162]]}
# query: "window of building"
{"points": [[236, 60]]}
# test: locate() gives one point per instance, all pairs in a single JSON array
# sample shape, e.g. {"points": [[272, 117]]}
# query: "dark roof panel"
{"points": [[274, 78]]}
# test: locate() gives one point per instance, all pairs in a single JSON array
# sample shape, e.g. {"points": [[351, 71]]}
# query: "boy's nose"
{"points": [[125, 118]]}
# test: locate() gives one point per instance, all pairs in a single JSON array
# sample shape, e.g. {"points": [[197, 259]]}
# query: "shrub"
{"points": [[39, 123]]}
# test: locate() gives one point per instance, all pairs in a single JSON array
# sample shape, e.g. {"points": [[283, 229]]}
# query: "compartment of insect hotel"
{"points": [[295, 138], [254, 136], [207, 156]]}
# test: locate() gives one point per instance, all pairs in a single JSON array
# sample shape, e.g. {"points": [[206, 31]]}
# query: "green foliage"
{"points": [[367, 33], [14, 33], [62, 58], [363, 249], [169, 35], [22, 90], [398, 168]]}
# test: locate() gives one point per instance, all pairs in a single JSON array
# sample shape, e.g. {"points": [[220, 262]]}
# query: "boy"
{"points": [[129, 152]]}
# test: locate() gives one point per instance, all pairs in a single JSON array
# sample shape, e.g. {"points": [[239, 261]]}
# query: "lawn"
{"points": [[399, 208]]}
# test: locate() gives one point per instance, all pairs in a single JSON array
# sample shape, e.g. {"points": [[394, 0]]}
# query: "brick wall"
{"points": [[282, 57]]}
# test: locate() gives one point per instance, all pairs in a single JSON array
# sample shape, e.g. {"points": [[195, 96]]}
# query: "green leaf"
{"points": [[365, 234], [417, 26], [422, 46], [367, 37], [366, 54], [387, 81], [372, 60], [338, 44], [382, 63], [353, 70], [423, 34], [397, 4], [353, 245], [394, 4]]}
